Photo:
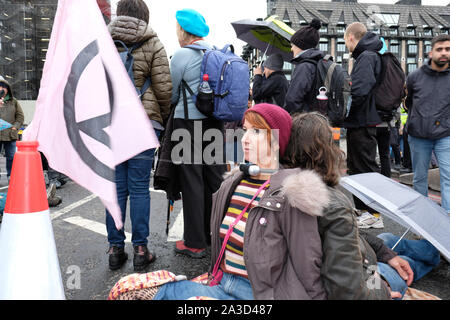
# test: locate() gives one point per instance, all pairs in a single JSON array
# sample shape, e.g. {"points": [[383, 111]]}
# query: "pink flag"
{"points": [[88, 116]]}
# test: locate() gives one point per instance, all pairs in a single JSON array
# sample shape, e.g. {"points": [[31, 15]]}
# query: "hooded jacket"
{"points": [[150, 60], [428, 103], [308, 246], [271, 90], [282, 247], [11, 112], [365, 72], [300, 93]]}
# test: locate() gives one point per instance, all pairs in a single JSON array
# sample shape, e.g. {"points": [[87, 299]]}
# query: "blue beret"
{"points": [[192, 22]]}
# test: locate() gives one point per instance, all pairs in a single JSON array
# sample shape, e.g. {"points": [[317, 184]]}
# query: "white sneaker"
{"points": [[366, 221]]}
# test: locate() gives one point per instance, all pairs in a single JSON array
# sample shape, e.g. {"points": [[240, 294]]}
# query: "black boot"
{"points": [[117, 257], [142, 258]]}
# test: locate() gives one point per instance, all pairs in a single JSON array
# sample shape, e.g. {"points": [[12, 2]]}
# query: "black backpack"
{"points": [[389, 90], [338, 84]]}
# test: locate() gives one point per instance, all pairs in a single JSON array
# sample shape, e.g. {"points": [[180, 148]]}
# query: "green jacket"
{"points": [[349, 262], [11, 112]]}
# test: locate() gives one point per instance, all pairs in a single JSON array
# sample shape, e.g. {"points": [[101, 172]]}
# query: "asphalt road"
{"points": [[80, 236]]}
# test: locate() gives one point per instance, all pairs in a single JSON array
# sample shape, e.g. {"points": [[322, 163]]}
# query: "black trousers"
{"points": [[395, 145], [406, 151], [198, 182], [384, 141], [361, 153]]}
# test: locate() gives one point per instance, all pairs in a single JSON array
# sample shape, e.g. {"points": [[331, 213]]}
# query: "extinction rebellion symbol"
{"points": [[92, 127]]}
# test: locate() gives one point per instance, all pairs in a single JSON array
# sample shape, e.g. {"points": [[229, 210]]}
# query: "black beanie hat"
{"points": [[307, 37]]}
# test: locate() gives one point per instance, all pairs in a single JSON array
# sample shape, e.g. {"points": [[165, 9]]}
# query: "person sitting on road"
{"points": [[275, 223]]}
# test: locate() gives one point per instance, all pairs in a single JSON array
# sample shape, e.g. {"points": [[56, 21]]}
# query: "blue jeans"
{"points": [[231, 287], [10, 150], [421, 255], [133, 180], [421, 156]]}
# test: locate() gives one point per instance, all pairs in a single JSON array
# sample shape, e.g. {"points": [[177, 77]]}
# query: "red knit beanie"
{"points": [[277, 118]]}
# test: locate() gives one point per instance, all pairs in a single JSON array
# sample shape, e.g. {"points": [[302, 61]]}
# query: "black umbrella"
{"points": [[270, 36]]}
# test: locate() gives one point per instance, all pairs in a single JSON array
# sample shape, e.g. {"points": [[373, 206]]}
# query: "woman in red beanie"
{"points": [[265, 242]]}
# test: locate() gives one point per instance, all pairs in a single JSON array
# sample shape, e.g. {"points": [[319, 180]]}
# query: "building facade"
{"points": [[406, 26], [25, 30]]}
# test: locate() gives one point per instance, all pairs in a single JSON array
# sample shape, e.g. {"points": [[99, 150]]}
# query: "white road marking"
{"points": [[72, 206], [176, 231], [94, 226]]}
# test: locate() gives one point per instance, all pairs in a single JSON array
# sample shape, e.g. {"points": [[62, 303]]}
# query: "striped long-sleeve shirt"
{"points": [[233, 260]]}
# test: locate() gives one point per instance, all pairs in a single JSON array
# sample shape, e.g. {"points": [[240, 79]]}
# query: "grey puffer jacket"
{"points": [[149, 60]]}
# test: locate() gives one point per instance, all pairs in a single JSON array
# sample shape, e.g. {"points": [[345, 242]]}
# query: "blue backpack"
{"points": [[229, 79], [128, 61]]}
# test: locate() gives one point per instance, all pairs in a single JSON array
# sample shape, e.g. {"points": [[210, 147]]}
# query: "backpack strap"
{"points": [[184, 87]]}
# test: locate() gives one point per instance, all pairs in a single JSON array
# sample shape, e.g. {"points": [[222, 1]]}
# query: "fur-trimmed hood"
{"points": [[303, 189]]}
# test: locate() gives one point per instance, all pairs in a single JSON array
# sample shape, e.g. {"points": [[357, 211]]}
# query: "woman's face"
{"points": [[257, 146]]}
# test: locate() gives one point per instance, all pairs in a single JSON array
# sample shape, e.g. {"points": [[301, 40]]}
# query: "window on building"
{"points": [[324, 29], [323, 44], [340, 45], [393, 31], [426, 47], [394, 48], [388, 18], [428, 32], [340, 29], [412, 67], [411, 31], [444, 31], [412, 47]]}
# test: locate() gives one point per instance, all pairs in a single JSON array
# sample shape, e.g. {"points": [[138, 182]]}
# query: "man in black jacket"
{"points": [[271, 85], [428, 123], [303, 46], [363, 116]]}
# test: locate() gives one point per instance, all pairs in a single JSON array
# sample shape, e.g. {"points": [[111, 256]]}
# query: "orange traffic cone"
{"points": [[29, 267]]}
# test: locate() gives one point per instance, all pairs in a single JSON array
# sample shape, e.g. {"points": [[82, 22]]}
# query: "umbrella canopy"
{"points": [[403, 205], [270, 36]]}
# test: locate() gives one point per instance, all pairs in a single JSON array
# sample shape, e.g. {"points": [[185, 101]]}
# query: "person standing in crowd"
{"points": [[303, 46], [271, 85], [198, 181], [428, 128], [363, 116], [11, 112], [131, 26]]}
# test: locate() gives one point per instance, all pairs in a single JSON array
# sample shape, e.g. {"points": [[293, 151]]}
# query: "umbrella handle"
{"points": [[403, 235]]}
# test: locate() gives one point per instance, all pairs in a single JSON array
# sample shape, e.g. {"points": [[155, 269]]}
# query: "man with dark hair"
{"points": [[151, 74], [428, 123]]}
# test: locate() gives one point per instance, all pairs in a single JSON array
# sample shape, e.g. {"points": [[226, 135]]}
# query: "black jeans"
{"points": [[361, 153], [383, 141], [198, 182], [406, 152], [395, 145]]}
